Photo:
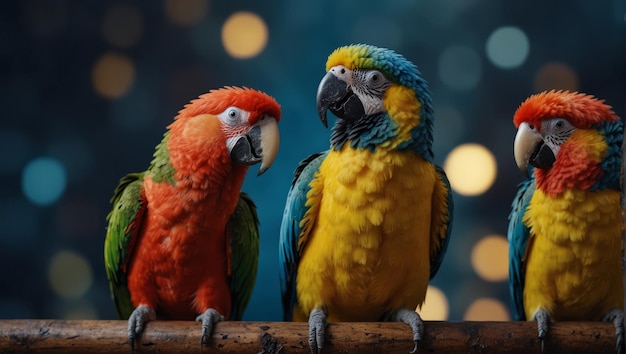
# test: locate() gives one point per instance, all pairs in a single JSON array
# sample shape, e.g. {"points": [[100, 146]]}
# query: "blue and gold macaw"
{"points": [[564, 229], [366, 223]]}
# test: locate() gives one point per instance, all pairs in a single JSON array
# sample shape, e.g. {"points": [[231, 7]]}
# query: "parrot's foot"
{"points": [[617, 317], [414, 320], [137, 322], [209, 318], [317, 330], [543, 322]]}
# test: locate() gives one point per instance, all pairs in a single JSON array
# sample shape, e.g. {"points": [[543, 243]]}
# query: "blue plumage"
{"points": [[518, 236]]}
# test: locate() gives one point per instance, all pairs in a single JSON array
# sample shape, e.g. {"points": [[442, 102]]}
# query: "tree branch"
{"points": [[61, 336]]}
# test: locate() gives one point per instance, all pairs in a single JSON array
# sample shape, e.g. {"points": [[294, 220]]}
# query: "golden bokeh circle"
{"points": [[471, 169], [487, 309], [244, 35], [112, 75], [490, 258], [435, 307]]}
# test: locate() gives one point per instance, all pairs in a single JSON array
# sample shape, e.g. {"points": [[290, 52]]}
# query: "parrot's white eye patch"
{"points": [[558, 129], [233, 116], [561, 125], [375, 79]]}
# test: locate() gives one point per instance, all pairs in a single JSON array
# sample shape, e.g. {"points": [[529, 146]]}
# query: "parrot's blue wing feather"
{"points": [[518, 236], [125, 221], [244, 254], [291, 229], [442, 220]]}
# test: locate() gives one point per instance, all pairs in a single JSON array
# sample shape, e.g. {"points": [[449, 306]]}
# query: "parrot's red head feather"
{"points": [[583, 111], [216, 101]]}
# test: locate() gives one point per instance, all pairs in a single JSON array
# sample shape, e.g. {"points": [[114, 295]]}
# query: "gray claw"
{"points": [[209, 318], [137, 322], [317, 330], [617, 317], [414, 320], [543, 322]]}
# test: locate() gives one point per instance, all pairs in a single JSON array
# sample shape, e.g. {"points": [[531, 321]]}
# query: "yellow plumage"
{"points": [[575, 237], [368, 229]]}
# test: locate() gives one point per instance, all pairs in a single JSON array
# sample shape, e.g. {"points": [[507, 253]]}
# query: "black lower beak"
{"points": [[247, 149], [335, 95], [543, 157]]}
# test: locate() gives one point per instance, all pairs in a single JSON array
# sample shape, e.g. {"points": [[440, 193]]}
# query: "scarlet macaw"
{"points": [[564, 229], [182, 240]]}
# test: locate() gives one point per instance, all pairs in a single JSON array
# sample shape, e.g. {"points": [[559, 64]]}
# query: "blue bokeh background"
{"points": [[50, 111]]}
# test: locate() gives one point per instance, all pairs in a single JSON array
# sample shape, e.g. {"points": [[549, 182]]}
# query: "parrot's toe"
{"points": [[137, 322], [317, 330], [414, 320], [209, 318], [617, 317], [543, 321]]}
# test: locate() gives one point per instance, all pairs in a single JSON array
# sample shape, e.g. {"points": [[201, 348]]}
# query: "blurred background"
{"points": [[87, 89]]}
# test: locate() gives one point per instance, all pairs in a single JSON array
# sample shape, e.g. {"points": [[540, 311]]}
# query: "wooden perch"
{"points": [[60, 336]]}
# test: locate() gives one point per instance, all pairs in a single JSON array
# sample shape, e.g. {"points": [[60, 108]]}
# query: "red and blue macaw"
{"points": [[366, 223], [182, 241], [565, 225]]}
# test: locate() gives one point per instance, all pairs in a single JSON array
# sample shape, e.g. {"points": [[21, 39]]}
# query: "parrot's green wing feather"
{"points": [[441, 220], [293, 230], [244, 256], [519, 236], [124, 223]]}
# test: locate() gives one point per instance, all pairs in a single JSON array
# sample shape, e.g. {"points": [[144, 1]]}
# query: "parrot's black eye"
{"points": [[232, 113]]}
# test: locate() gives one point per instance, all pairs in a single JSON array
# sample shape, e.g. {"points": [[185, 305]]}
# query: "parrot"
{"points": [[182, 240], [366, 223], [565, 221]]}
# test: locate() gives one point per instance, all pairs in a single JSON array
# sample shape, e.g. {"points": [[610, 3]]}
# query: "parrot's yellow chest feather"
{"points": [[367, 251], [574, 255]]}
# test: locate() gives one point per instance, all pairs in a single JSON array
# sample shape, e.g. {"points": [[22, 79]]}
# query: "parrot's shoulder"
{"points": [[161, 169], [307, 167], [127, 184]]}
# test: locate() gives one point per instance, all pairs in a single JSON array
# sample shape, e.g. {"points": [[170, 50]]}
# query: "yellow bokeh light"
{"points": [[490, 258], [435, 307], [186, 13], [113, 75], [244, 35], [486, 309], [555, 75], [471, 169], [122, 26], [69, 275]]}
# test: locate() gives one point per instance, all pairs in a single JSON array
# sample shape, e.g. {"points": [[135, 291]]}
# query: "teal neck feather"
{"points": [[611, 164]]}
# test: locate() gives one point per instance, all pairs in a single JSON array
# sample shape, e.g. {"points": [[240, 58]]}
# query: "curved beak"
{"points": [[259, 144], [529, 148], [336, 95]]}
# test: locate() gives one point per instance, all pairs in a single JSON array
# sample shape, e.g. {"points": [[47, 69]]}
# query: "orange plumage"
{"points": [[182, 239]]}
